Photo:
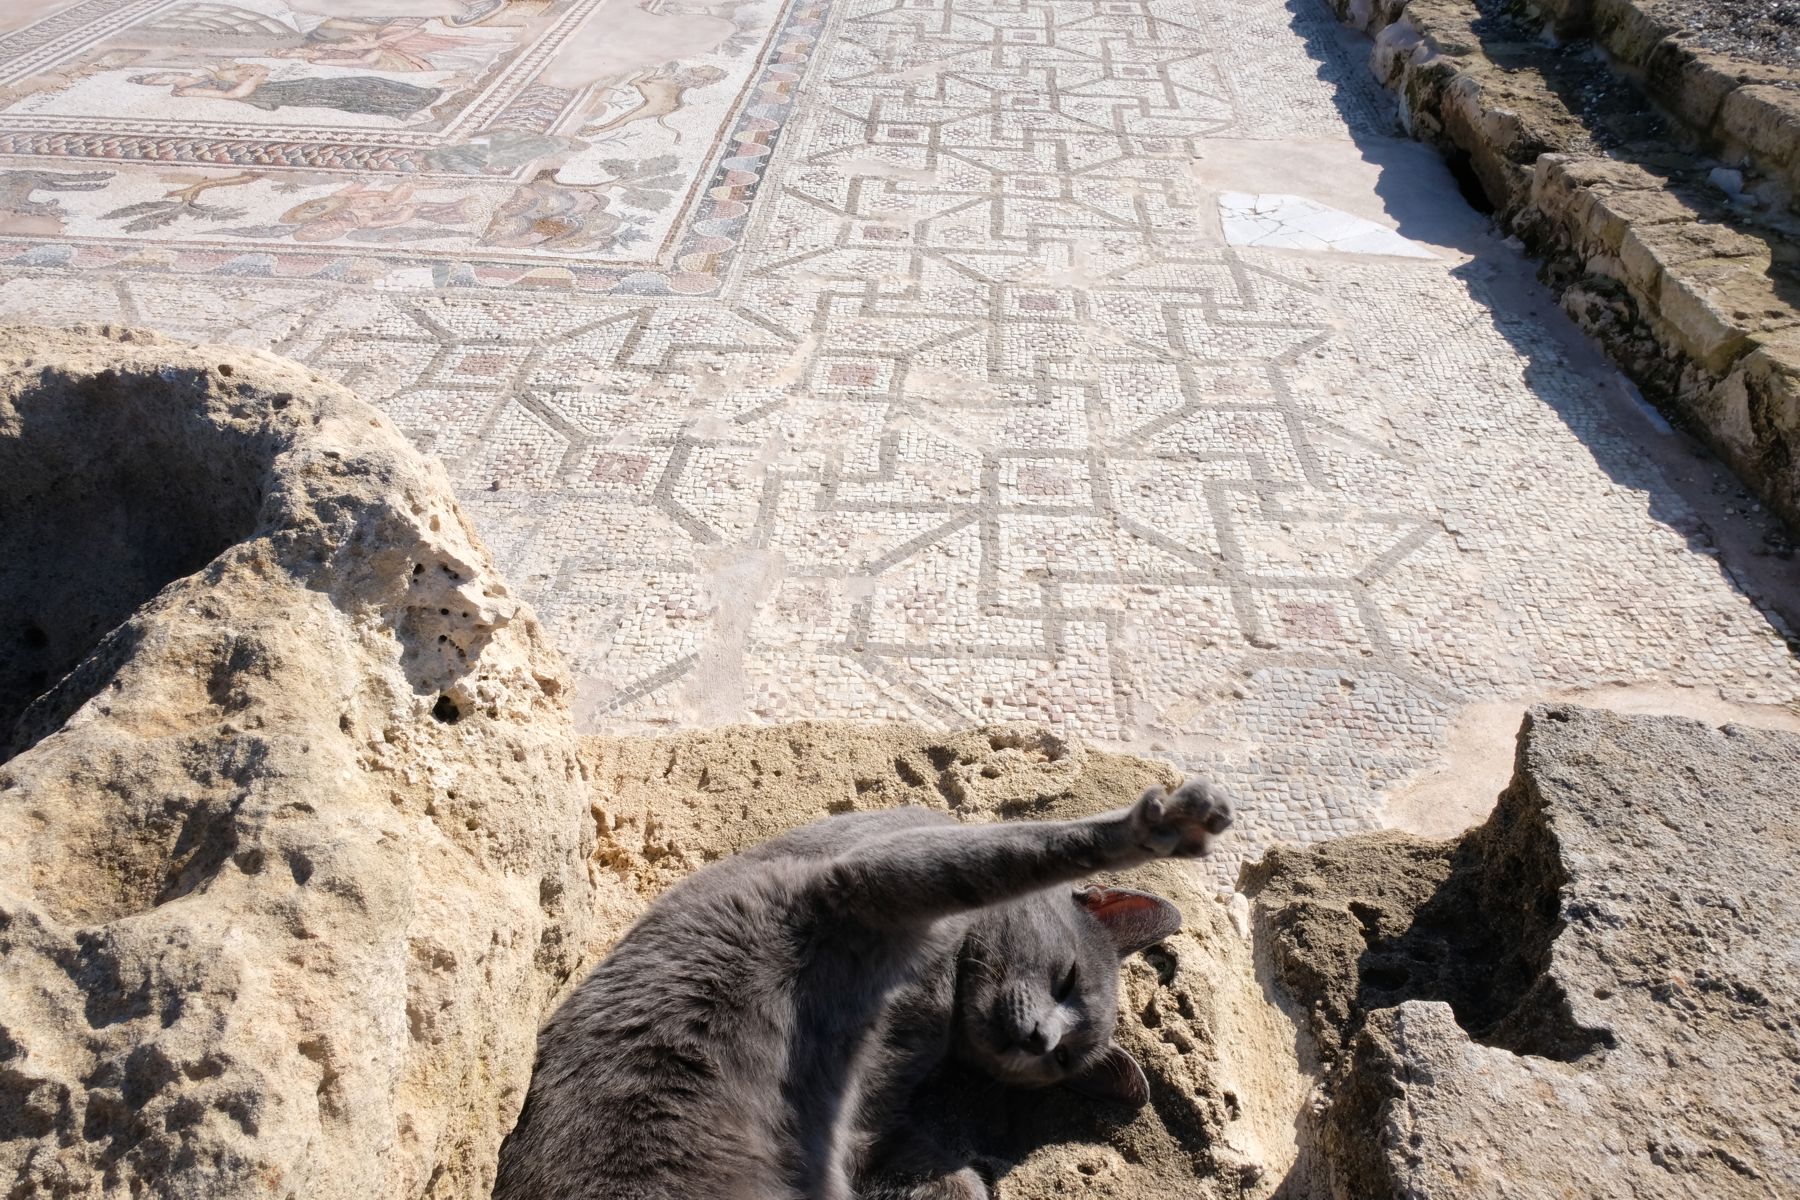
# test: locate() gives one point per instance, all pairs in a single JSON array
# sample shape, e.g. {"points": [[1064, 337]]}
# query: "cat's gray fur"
{"points": [[756, 1035]]}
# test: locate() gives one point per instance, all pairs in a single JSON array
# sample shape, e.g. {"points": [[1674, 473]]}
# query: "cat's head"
{"points": [[1038, 988]]}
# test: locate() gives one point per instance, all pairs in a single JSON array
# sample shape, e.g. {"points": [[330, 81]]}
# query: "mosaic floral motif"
{"points": [[610, 140], [181, 203]]}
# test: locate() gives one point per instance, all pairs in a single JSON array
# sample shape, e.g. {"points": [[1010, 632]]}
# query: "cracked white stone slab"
{"points": [[1296, 223]]}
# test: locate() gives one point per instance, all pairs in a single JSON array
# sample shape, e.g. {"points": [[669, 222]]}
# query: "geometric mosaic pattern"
{"points": [[986, 421]]}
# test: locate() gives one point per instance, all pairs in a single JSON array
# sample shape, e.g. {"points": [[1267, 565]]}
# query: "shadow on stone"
{"points": [[1588, 995], [1372, 922], [111, 486]]}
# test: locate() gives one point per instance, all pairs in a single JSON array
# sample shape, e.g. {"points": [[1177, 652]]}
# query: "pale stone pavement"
{"points": [[1106, 363]]}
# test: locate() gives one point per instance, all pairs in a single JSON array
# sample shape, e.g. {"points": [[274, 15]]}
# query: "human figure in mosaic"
{"points": [[379, 214], [249, 83], [544, 216]]}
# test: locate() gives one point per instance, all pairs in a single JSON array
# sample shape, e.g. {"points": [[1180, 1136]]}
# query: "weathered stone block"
{"points": [[1568, 18], [1649, 249], [1694, 82], [1714, 306], [1764, 389], [1617, 223], [1765, 121], [293, 834], [1627, 29], [1593, 994]]}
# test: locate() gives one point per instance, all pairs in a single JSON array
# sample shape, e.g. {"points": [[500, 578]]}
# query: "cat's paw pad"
{"points": [[1181, 822]]}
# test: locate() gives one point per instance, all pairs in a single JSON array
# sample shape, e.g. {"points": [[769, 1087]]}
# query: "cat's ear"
{"points": [[1114, 1075], [1133, 919]]}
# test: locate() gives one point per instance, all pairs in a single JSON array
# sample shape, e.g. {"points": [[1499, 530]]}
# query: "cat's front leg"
{"points": [[934, 870]]}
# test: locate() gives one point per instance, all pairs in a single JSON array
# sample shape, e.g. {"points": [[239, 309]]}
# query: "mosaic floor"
{"points": [[1109, 363]]}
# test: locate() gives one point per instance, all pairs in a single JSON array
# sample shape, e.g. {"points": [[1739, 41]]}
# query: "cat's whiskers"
{"points": [[975, 940]]}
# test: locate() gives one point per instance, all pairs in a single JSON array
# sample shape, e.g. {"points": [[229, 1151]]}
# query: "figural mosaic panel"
{"points": [[603, 145]]}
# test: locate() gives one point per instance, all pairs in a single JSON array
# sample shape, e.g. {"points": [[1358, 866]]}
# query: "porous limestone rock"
{"points": [[1594, 994], [293, 835]]}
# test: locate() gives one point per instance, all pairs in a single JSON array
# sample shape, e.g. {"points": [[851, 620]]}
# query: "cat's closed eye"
{"points": [[1066, 988]]}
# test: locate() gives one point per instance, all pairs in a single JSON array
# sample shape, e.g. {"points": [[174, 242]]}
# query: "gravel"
{"points": [[1762, 31]]}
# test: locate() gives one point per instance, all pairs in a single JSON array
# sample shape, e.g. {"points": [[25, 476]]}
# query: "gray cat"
{"points": [[759, 1032]]}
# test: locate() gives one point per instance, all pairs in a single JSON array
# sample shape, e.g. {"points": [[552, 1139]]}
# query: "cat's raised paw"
{"points": [[1183, 821]]}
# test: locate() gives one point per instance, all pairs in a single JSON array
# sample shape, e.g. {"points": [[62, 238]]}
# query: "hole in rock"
{"points": [[111, 486], [445, 710], [1385, 979], [1462, 169], [1482, 943]]}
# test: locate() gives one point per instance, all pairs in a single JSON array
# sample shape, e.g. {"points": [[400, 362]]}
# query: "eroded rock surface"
{"points": [[1593, 994], [293, 835]]}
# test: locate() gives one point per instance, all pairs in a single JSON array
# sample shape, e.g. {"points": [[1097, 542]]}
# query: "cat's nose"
{"points": [[1046, 1034]]}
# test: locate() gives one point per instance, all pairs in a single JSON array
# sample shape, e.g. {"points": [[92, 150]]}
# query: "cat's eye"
{"points": [[1062, 1057], [1063, 990]]}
